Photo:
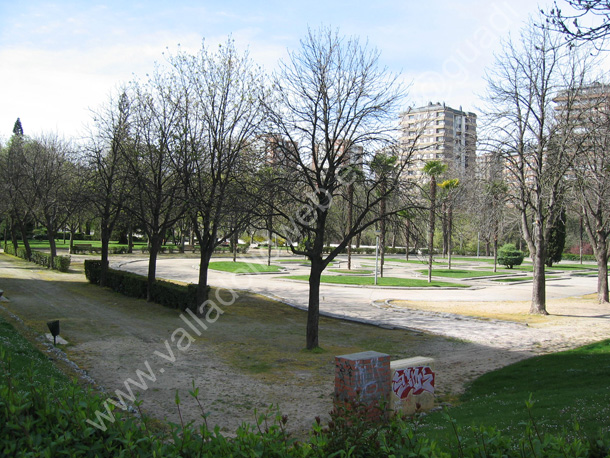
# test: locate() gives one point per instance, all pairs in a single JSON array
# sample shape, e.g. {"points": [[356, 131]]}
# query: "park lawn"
{"points": [[459, 273], [352, 271], [573, 267], [385, 281], [406, 261], [24, 357], [242, 267], [472, 259], [516, 279], [566, 387]]}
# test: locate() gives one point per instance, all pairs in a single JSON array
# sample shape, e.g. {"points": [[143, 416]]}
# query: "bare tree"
{"points": [[221, 114], [55, 182], [109, 144], [335, 107], [592, 173], [157, 199], [533, 141], [595, 13]]}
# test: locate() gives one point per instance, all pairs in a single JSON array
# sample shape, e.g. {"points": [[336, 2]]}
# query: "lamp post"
{"points": [[377, 234]]}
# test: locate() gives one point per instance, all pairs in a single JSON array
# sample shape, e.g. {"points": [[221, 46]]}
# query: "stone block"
{"points": [[412, 385], [363, 378]]}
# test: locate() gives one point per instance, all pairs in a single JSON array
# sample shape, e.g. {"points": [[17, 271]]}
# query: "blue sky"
{"points": [[59, 59]]}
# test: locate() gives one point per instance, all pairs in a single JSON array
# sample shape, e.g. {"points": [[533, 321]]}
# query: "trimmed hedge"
{"points": [[133, 285], [576, 257], [61, 263]]}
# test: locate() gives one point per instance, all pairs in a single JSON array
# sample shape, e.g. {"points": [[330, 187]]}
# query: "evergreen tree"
{"points": [[18, 128], [557, 240]]}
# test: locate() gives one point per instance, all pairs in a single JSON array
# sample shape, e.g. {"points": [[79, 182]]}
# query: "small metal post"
{"points": [[376, 257]]}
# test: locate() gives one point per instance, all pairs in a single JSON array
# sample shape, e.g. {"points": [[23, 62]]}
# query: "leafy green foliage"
{"points": [[163, 292], [510, 256]]}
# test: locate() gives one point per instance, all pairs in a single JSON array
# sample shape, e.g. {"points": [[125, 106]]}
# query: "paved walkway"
{"points": [[373, 304]]}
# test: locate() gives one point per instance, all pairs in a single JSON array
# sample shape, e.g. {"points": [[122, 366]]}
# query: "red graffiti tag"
{"points": [[413, 379]]}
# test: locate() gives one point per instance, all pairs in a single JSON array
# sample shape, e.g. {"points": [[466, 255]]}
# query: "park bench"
{"points": [[85, 248], [81, 247]]}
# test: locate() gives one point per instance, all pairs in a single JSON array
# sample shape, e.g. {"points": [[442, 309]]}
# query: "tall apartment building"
{"points": [[438, 132]]}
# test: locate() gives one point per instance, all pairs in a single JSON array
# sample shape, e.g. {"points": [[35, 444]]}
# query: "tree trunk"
{"points": [[431, 226], [495, 252], [105, 239], [269, 234], [449, 230], [350, 217], [155, 244], [407, 237], [204, 264], [71, 245], [538, 306], [383, 231], [14, 238], [26, 242], [129, 239], [444, 226], [602, 269], [580, 234], [313, 309], [53, 247]]}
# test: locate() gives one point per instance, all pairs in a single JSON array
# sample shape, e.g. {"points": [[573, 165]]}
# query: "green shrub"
{"points": [[510, 256], [60, 263], [576, 257], [133, 285], [92, 270]]}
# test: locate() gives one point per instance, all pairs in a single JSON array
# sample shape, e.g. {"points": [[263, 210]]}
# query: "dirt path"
{"points": [[111, 337]]}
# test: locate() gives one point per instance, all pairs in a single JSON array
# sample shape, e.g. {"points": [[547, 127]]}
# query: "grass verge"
{"points": [[385, 281], [461, 273], [243, 267], [352, 271], [565, 388]]}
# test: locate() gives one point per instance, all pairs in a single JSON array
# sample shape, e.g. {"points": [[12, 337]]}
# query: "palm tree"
{"points": [[450, 187], [433, 169]]}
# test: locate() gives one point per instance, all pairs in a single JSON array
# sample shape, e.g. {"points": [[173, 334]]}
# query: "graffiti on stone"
{"points": [[414, 380]]}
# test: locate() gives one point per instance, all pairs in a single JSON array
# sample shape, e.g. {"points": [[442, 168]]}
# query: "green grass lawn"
{"points": [[566, 387], [406, 261], [472, 259], [370, 281], [460, 273], [243, 267], [352, 271], [573, 267], [25, 357]]}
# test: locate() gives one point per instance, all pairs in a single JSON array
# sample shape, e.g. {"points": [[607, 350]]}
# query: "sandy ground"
{"points": [[111, 341]]}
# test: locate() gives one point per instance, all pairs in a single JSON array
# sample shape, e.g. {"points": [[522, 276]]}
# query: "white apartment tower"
{"points": [[438, 132]]}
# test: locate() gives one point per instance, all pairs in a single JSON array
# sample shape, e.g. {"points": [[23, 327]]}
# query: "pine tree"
{"points": [[557, 240], [18, 128]]}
